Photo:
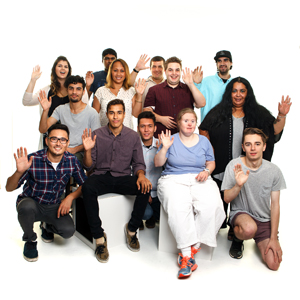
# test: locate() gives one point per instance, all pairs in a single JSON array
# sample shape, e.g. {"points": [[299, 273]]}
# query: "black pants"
{"points": [[97, 185]]}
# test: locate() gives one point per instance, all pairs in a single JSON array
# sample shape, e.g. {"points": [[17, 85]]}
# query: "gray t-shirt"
{"points": [[88, 118], [254, 197]]}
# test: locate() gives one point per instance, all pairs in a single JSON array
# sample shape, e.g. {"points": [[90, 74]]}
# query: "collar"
{"points": [[151, 79], [220, 79], [180, 85], [153, 145], [111, 133]]}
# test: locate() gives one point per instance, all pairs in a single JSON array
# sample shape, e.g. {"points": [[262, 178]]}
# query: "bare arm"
{"points": [[160, 158], [283, 110], [197, 95], [140, 65], [96, 104], [203, 175], [240, 179], [23, 164], [137, 98]]}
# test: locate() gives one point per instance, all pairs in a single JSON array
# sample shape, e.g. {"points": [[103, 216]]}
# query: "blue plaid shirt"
{"points": [[43, 183]]}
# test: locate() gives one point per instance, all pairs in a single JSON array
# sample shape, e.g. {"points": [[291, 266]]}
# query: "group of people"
{"points": [[194, 176]]}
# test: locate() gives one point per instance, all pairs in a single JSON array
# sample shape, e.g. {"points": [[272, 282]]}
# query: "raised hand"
{"points": [[141, 64], [140, 86], [89, 78], [22, 162], [45, 103], [187, 76], [87, 141], [36, 73], [165, 139], [240, 176], [284, 106], [197, 75]]}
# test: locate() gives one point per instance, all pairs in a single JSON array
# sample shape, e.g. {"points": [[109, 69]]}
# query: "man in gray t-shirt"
{"points": [[76, 115], [252, 187]]}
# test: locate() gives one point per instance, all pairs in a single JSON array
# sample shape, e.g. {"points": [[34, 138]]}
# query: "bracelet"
{"points": [[136, 71], [138, 101], [207, 170], [281, 117]]}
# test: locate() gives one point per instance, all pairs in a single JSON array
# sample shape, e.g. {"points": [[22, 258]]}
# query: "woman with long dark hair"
{"points": [[61, 69], [225, 123]]}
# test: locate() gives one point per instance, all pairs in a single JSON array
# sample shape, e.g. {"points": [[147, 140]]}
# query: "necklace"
{"points": [[238, 115]]}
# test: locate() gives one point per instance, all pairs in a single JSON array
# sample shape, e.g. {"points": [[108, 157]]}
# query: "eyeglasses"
{"points": [[54, 139], [109, 58]]}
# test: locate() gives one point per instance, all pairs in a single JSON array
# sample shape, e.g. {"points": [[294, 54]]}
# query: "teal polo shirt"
{"points": [[212, 88]]}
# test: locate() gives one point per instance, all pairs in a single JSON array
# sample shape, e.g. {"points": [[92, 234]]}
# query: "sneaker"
{"points": [[150, 223], [30, 253], [237, 248], [101, 251], [192, 260], [132, 241], [46, 236], [185, 268]]}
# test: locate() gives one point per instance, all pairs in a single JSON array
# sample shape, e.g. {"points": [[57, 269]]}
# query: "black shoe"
{"points": [[46, 236], [150, 223], [237, 248], [30, 253]]}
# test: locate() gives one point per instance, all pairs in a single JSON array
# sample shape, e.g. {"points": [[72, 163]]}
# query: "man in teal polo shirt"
{"points": [[213, 87]]}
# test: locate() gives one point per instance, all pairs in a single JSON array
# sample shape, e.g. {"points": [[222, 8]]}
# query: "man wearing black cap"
{"points": [[98, 79], [213, 87]]}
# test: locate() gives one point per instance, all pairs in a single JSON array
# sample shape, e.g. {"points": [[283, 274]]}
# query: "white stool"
{"points": [[114, 211], [167, 243]]}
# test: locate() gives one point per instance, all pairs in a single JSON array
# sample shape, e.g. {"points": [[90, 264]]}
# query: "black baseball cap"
{"points": [[223, 53]]}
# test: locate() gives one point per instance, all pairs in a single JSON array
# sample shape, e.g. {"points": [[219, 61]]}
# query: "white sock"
{"points": [[186, 252], [197, 245]]}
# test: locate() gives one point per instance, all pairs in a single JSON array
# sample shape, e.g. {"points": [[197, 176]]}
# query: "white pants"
{"points": [[195, 209]]}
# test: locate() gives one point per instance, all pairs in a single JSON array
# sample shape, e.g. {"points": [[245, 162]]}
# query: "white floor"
{"points": [[69, 268]]}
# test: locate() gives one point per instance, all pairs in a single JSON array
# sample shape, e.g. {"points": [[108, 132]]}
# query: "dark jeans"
{"points": [[152, 209], [30, 211], [97, 185]]}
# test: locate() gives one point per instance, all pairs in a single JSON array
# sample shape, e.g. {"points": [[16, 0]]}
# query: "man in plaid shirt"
{"points": [[46, 173]]}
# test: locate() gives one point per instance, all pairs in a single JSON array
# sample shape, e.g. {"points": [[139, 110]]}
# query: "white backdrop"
{"points": [[263, 39]]}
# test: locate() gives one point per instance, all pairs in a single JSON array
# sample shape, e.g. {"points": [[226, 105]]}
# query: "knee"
{"points": [[245, 232], [272, 265], [26, 206], [68, 232]]}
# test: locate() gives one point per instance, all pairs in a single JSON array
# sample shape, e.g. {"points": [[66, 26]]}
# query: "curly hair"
{"points": [[254, 112], [55, 84]]}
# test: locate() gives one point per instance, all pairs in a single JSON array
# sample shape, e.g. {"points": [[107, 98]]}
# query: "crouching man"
{"points": [[249, 183], [46, 173]]}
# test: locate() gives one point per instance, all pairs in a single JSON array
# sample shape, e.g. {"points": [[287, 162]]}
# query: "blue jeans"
{"points": [[152, 209]]}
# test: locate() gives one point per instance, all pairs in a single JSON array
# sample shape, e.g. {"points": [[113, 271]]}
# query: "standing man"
{"points": [[157, 74], [146, 128], [168, 98], [46, 173], [113, 152], [213, 87], [249, 184], [98, 79], [75, 114]]}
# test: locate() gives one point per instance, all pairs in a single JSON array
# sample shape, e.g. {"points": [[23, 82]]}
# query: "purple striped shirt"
{"points": [[43, 183]]}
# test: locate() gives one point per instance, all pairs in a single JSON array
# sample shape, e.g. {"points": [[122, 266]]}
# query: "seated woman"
{"points": [[188, 194], [118, 87], [225, 123], [61, 69]]}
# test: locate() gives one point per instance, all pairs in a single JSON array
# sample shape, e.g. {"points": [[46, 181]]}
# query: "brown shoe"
{"points": [[132, 241], [101, 251]]}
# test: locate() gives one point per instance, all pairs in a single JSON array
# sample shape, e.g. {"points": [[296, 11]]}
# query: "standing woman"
{"points": [[61, 69], [187, 192], [118, 87], [225, 123]]}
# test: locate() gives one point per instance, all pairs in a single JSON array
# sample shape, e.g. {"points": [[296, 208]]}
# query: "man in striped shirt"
{"points": [[46, 173]]}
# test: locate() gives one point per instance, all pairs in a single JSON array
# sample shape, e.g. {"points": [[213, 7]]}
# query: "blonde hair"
{"points": [[126, 82], [184, 111]]}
